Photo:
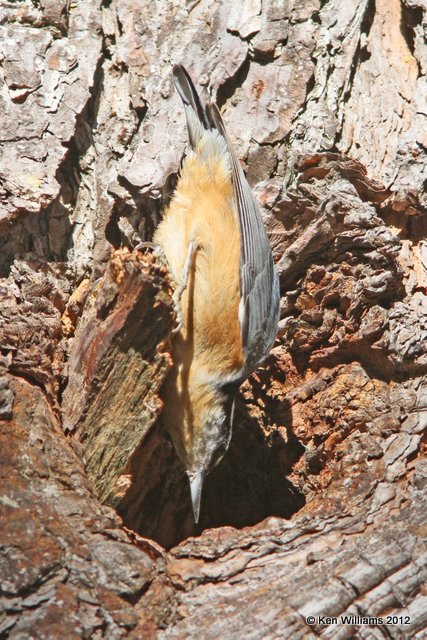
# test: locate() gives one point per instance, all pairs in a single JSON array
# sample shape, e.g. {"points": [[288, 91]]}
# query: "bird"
{"points": [[227, 289]]}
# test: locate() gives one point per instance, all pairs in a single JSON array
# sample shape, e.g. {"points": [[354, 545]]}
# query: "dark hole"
{"points": [[248, 485]]}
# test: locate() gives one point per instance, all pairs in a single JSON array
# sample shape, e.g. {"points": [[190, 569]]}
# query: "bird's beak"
{"points": [[196, 484]]}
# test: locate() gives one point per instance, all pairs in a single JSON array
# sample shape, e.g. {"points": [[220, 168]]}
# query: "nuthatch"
{"points": [[215, 243]]}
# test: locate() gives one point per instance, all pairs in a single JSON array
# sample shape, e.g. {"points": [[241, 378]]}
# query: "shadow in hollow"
{"points": [[247, 486]]}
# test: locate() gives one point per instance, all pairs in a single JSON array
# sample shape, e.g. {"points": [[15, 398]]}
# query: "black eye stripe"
{"points": [[231, 388]]}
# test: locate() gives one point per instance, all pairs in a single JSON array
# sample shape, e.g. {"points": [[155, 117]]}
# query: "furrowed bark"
{"points": [[318, 508]]}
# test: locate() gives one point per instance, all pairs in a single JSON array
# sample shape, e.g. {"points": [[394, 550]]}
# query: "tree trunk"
{"points": [[318, 509]]}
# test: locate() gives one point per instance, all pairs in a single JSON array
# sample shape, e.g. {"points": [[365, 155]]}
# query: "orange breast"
{"points": [[202, 212]]}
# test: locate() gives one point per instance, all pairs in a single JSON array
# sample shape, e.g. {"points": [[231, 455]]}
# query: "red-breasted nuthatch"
{"points": [[215, 243]]}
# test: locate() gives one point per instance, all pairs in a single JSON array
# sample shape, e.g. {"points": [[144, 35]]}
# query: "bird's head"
{"points": [[201, 427]]}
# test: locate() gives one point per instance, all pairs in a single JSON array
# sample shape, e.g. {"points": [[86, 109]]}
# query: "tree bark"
{"points": [[318, 508]]}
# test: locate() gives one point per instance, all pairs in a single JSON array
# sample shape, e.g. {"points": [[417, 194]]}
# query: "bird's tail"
{"points": [[205, 135], [197, 120]]}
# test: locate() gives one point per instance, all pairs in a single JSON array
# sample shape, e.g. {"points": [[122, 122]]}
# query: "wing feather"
{"points": [[259, 283]]}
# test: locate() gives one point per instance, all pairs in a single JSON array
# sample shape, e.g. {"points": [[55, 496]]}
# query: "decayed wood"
{"points": [[323, 487], [117, 365]]}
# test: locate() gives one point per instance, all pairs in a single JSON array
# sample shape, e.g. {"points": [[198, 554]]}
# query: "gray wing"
{"points": [[259, 282]]}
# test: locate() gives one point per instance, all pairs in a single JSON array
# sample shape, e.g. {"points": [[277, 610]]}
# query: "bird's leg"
{"points": [[189, 261], [182, 285], [145, 245], [186, 271], [157, 252]]}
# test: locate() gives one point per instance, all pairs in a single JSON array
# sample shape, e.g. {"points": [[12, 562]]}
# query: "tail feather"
{"points": [[197, 120]]}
